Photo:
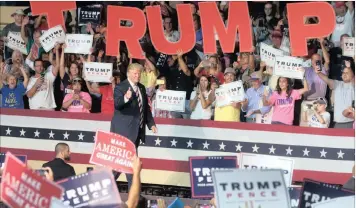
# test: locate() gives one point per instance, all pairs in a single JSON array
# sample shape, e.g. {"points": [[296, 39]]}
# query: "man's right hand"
{"points": [[39, 82], [128, 94]]}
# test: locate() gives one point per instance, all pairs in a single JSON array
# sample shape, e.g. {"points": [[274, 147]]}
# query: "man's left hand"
{"points": [[154, 129]]}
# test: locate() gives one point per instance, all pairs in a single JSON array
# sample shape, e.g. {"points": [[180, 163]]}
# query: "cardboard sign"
{"points": [[97, 72], [114, 151], [78, 43], [250, 188], [231, 92], [288, 66], [95, 188], [347, 201], [348, 48], [22, 158], [15, 42], [90, 14], [22, 187], [315, 191], [170, 100], [200, 173], [51, 37], [294, 193], [252, 161], [268, 54]]}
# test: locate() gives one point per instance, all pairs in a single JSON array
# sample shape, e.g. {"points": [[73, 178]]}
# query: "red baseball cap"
{"points": [[339, 4]]}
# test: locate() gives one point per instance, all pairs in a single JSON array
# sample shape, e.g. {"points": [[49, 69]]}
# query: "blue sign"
{"points": [[23, 158], [91, 189], [294, 193], [315, 191], [201, 179]]}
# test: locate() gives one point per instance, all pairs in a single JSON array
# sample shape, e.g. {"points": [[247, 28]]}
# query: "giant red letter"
{"points": [[187, 33], [130, 35], [238, 19], [53, 10], [299, 32]]}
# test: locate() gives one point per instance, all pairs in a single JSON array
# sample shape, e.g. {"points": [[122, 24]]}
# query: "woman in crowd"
{"points": [[200, 105], [15, 64], [162, 86], [67, 74], [283, 100], [12, 93], [77, 101]]}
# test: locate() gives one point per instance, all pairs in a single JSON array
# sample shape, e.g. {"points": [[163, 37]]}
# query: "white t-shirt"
{"points": [[44, 97], [345, 27], [314, 122], [199, 113]]}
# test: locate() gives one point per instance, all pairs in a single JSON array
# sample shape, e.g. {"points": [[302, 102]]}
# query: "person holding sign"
{"points": [[230, 112], [283, 100], [132, 112]]}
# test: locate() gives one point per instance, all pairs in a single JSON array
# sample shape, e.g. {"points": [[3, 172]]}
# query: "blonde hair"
{"points": [[135, 66], [14, 55]]}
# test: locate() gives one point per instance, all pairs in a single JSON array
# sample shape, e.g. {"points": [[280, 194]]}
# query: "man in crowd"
{"points": [[40, 87], [317, 87], [344, 95], [230, 112], [345, 18], [253, 104], [61, 169], [15, 28]]}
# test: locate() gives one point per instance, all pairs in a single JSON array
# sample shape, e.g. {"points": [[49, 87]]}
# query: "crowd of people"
{"points": [[55, 80]]}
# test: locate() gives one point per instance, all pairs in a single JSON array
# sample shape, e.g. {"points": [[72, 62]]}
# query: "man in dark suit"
{"points": [[60, 168], [132, 112]]}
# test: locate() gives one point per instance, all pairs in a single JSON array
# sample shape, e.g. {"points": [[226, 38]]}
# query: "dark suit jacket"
{"points": [[61, 169], [126, 119]]}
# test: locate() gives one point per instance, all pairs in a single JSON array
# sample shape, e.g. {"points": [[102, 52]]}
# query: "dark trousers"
{"points": [[128, 176]]}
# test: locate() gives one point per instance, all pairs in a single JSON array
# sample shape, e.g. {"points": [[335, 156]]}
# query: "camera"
{"points": [[353, 104], [318, 63]]}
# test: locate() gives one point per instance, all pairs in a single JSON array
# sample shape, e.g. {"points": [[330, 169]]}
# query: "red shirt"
{"points": [[107, 99]]}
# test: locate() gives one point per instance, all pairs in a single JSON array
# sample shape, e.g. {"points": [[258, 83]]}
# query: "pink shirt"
{"points": [[283, 110], [76, 106]]}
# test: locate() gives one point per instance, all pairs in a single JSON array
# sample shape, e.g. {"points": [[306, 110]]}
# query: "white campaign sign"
{"points": [[250, 188], [252, 161], [52, 36], [97, 72], [268, 54], [78, 43], [227, 93], [288, 66], [348, 49], [342, 202], [15, 42], [170, 100]]}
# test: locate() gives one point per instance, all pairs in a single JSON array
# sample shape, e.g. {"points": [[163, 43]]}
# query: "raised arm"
{"points": [[305, 87], [62, 70], [326, 54], [328, 81], [182, 65], [134, 192], [23, 28], [55, 68], [25, 77]]}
